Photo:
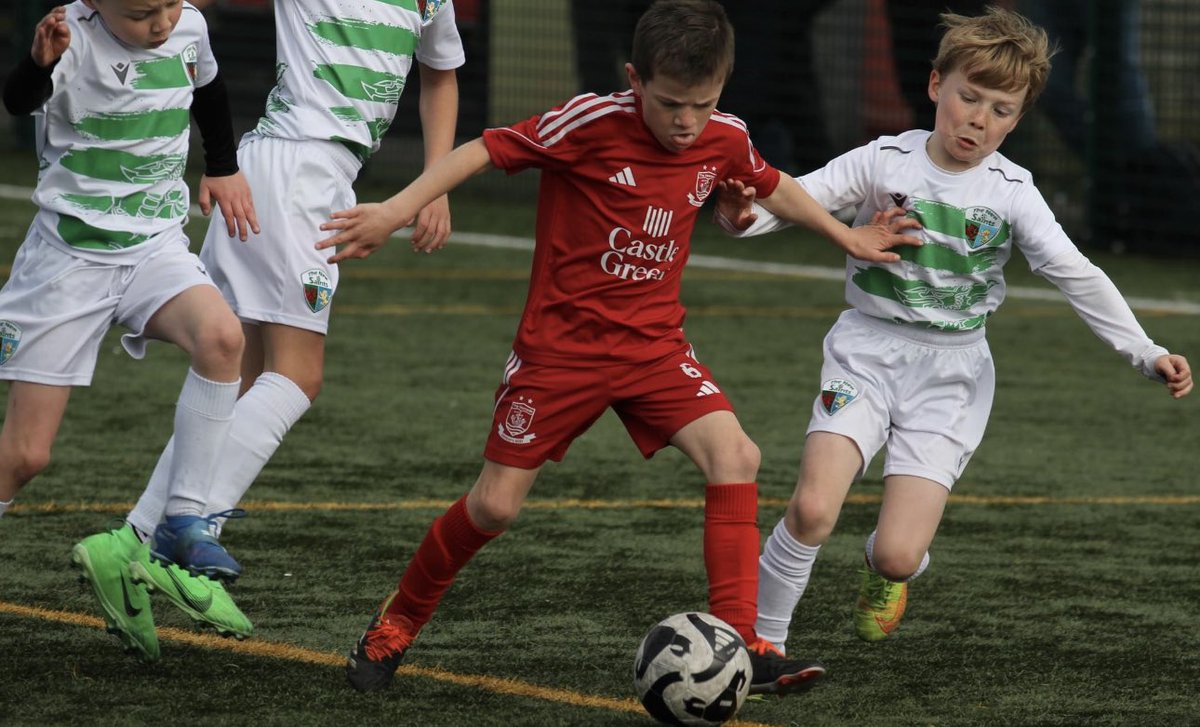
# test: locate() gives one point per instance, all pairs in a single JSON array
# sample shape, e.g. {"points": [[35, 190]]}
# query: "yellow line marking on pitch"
{"points": [[291, 652], [582, 504]]}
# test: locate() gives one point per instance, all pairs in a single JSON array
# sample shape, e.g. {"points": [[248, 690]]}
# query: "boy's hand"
{"points": [[896, 220], [432, 227], [51, 38], [232, 194], [872, 241], [1174, 368], [734, 202], [362, 230]]}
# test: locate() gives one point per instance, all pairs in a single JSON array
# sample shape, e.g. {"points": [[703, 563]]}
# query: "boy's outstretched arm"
{"points": [[362, 229], [1098, 302], [222, 181], [438, 107], [870, 242]]}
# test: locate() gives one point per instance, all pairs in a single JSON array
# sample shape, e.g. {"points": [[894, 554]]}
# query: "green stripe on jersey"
{"points": [[160, 73], [146, 205], [366, 36], [346, 113], [134, 125], [950, 220], [918, 293], [361, 83], [77, 233], [119, 166], [940, 257], [405, 4]]}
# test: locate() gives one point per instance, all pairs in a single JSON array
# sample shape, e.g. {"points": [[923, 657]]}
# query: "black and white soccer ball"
{"points": [[692, 669]]}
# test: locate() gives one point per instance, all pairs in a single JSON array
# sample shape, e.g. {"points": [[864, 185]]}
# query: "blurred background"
{"points": [[1113, 143]]}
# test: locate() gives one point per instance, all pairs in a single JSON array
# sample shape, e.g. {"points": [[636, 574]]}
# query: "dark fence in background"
{"points": [[1113, 142]]}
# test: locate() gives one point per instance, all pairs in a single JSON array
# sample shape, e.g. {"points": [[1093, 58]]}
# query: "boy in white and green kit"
{"points": [[114, 85], [341, 66], [908, 366]]}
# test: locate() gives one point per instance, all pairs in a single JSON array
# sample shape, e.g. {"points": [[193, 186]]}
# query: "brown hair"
{"points": [[690, 41], [999, 49]]}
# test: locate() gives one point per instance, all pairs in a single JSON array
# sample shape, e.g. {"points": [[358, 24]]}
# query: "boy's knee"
{"points": [[492, 512], [27, 462], [736, 461], [219, 345], [896, 565], [812, 514], [309, 385]]}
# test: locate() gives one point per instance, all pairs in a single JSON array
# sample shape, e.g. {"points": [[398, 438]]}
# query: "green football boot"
{"points": [[205, 600], [880, 606], [104, 560]]}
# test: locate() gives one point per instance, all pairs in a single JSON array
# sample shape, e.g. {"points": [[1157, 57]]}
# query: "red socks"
{"points": [[452, 540], [731, 544]]}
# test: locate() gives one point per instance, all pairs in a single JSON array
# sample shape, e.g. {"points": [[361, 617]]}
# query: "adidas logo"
{"points": [[708, 388], [624, 178]]}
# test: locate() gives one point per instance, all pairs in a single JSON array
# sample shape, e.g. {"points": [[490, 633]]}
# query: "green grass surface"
{"points": [[1071, 610]]}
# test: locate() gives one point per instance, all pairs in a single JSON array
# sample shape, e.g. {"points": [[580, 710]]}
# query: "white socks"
{"points": [[261, 418], [203, 416], [783, 571], [264, 415], [870, 551], [4, 506]]}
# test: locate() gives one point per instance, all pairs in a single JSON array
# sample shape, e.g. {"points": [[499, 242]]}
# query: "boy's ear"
{"points": [[635, 81], [935, 83]]}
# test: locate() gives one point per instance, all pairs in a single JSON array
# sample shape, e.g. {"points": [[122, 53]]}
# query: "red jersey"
{"points": [[614, 225]]}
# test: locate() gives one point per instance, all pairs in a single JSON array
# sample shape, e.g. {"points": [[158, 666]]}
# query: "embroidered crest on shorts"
{"points": [[10, 338], [836, 394], [520, 417], [318, 290]]}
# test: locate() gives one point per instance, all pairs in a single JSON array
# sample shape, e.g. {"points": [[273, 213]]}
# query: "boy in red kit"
{"points": [[623, 177]]}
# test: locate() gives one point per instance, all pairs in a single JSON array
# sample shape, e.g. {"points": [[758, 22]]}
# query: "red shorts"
{"points": [[540, 410]]}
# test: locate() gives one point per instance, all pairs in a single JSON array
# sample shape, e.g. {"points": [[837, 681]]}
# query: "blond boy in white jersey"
{"points": [[908, 366], [114, 85], [341, 67]]}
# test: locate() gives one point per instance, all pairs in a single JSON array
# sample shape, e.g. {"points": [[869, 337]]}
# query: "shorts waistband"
{"points": [[341, 157], [918, 334]]}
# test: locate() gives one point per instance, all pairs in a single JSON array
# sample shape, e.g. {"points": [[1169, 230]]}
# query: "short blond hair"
{"points": [[1000, 49]]}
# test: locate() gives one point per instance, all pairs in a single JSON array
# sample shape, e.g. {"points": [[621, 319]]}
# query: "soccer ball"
{"points": [[692, 669]]}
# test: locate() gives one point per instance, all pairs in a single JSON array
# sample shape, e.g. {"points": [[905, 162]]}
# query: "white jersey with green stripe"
{"points": [[970, 222], [112, 138], [342, 65]]}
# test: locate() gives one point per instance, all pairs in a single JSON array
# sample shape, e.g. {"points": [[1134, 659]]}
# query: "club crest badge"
{"points": [[515, 427], [429, 8], [318, 290], [10, 338], [190, 56], [704, 186], [836, 394], [981, 227]]}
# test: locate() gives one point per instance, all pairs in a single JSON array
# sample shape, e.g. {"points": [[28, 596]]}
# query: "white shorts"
{"points": [[278, 276], [926, 394], [56, 308]]}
